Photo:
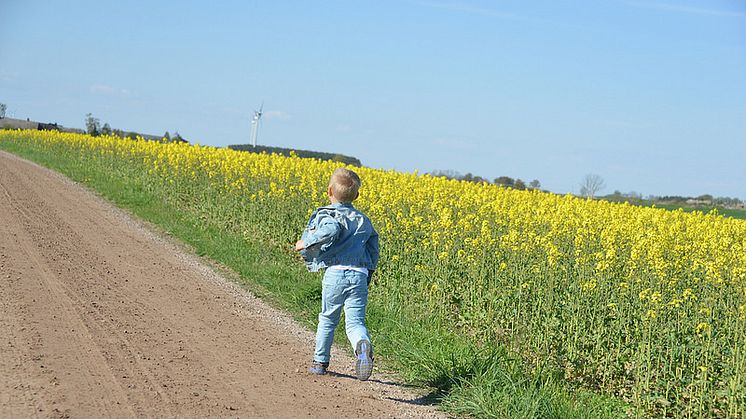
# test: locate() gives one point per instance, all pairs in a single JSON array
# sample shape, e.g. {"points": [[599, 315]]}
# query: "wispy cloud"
{"points": [[8, 77], [106, 90], [276, 115], [680, 8], [469, 8], [458, 144]]}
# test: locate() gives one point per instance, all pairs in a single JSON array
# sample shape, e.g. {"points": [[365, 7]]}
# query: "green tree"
{"points": [[106, 129], [519, 184], [505, 181], [479, 179], [92, 125], [535, 184], [167, 137]]}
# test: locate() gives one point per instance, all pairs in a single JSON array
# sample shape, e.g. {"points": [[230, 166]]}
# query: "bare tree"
{"points": [[92, 125], [591, 184]]}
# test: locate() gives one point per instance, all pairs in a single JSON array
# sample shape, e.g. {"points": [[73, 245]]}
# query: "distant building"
{"points": [[695, 202]]}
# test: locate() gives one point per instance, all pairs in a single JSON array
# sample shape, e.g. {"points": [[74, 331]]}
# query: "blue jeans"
{"points": [[340, 288]]}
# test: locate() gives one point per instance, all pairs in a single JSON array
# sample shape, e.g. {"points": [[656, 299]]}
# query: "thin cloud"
{"points": [[8, 77], [276, 115], [678, 8], [103, 89], [468, 8], [464, 7], [458, 144]]}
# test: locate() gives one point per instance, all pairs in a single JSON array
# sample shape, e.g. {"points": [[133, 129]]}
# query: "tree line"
{"points": [[94, 128], [504, 181]]}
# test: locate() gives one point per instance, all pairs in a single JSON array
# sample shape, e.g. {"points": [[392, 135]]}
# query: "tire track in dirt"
{"points": [[99, 317]]}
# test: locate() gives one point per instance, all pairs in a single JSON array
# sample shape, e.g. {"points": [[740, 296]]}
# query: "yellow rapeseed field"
{"points": [[643, 303]]}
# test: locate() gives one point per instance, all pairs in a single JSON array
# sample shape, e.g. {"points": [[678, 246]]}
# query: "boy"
{"points": [[342, 240]]}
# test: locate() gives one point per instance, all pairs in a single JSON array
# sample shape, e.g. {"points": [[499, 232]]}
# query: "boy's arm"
{"points": [[372, 247], [327, 230]]}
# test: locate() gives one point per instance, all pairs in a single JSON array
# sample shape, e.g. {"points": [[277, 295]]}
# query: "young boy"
{"points": [[342, 240]]}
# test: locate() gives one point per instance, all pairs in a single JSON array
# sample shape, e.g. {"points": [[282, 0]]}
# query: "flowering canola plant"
{"points": [[642, 303]]}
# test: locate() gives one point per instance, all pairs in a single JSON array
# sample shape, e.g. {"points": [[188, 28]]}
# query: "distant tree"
{"points": [[3, 108], [519, 184], [705, 197], [535, 184], [92, 125], [448, 174], [726, 201], [505, 181], [106, 129], [167, 136], [591, 185], [118, 132], [633, 195], [479, 179], [177, 138]]}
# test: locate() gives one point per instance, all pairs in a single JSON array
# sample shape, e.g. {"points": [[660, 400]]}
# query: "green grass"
{"points": [[734, 213], [467, 377]]}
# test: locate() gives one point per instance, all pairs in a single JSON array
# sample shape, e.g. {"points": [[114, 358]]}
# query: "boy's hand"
{"points": [[299, 245]]}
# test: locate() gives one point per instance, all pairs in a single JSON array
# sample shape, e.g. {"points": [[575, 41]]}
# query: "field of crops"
{"points": [[644, 304]]}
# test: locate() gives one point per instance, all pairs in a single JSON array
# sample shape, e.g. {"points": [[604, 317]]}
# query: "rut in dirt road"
{"points": [[99, 317]]}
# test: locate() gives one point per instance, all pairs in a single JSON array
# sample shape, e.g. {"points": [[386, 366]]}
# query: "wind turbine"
{"points": [[255, 124]]}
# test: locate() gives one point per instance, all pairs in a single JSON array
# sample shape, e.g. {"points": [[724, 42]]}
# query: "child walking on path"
{"points": [[342, 240]]}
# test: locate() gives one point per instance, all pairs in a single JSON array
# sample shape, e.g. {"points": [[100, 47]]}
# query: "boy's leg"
{"points": [[332, 300], [355, 305]]}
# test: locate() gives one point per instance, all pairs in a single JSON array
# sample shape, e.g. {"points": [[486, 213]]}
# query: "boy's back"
{"points": [[339, 234]]}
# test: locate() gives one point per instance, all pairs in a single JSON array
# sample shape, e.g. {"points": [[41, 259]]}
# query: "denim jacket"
{"points": [[339, 234]]}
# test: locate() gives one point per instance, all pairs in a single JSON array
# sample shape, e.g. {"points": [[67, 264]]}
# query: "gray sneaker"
{"points": [[364, 363], [318, 368]]}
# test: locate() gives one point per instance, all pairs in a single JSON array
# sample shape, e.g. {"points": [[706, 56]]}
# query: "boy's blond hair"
{"points": [[345, 184]]}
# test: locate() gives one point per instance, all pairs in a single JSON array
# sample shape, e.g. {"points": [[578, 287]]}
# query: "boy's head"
{"points": [[344, 185]]}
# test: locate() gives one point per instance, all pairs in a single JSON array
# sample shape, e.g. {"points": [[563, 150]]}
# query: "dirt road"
{"points": [[101, 317]]}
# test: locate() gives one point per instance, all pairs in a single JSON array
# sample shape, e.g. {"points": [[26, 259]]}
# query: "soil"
{"points": [[103, 316]]}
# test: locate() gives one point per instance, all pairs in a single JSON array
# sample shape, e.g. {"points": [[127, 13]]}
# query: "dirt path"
{"points": [[100, 317]]}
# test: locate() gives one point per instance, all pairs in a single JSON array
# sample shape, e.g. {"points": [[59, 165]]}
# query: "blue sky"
{"points": [[651, 95]]}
